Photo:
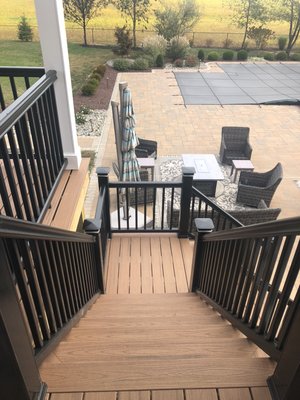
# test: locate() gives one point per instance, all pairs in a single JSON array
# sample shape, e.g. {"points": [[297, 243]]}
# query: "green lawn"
{"points": [[82, 59]]}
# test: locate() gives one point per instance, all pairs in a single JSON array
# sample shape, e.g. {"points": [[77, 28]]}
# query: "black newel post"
{"points": [[185, 204], [203, 226], [19, 375], [284, 384], [100, 227], [103, 183]]}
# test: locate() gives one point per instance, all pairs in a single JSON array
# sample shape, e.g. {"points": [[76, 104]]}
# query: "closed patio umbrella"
{"points": [[130, 166]]}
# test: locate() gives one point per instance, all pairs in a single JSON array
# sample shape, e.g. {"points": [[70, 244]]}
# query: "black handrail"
{"points": [[12, 75], [203, 207], [29, 72], [56, 276], [31, 150], [18, 108], [249, 275]]}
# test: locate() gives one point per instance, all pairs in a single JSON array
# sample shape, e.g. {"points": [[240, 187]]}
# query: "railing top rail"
{"points": [[216, 207], [30, 72], [25, 101], [16, 229], [148, 184], [274, 228]]}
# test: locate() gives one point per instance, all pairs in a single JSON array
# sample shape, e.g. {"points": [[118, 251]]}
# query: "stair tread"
{"points": [[157, 374]]}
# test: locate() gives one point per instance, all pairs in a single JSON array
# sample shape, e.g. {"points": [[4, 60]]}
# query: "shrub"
{"points": [[295, 57], [89, 88], [123, 40], [80, 116], [282, 40], [191, 61], [160, 62], [96, 76], [269, 56], [201, 55], [281, 56], [242, 55], [122, 65], [213, 56], [178, 48], [100, 70], [155, 45], [150, 59], [228, 55], [24, 30], [140, 64], [179, 63], [260, 35], [209, 42]]}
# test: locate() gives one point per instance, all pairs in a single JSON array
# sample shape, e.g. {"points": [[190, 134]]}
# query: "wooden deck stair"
{"points": [[152, 342]]}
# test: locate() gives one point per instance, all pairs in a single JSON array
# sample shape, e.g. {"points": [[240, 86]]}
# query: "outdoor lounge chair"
{"points": [[256, 186], [235, 144], [146, 148]]}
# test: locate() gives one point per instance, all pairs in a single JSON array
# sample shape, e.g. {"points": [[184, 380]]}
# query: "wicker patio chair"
{"points": [[146, 148], [256, 186], [235, 144]]}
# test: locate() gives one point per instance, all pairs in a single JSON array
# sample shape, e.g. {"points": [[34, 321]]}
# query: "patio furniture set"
{"points": [[254, 190]]}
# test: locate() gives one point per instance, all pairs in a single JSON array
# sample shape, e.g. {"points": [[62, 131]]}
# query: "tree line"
{"points": [[174, 20]]}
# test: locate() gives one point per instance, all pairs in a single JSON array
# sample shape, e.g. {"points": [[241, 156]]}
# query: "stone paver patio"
{"points": [[162, 116]]}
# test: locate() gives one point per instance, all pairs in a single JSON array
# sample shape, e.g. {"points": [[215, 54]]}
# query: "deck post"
{"points": [[53, 39], [284, 384], [103, 182], [19, 375], [185, 203], [203, 226]]}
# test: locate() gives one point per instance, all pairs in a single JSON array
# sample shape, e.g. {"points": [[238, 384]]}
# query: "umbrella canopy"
{"points": [[130, 169]]}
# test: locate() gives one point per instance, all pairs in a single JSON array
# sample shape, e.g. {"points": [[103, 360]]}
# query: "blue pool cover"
{"points": [[242, 83]]}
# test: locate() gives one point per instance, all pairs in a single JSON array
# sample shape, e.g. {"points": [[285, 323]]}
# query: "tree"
{"points": [[246, 13], [289, 10], [82, 11], [24, 30], [173, 21], [136, 10]]}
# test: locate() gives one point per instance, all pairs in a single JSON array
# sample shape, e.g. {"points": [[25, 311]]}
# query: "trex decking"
{"points": [[148, 338]]}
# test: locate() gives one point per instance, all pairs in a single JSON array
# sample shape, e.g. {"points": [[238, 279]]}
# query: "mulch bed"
{"points": [[101, 99]]}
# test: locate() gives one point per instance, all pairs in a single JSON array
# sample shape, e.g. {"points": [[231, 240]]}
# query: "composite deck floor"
{"points": [[149, 339]]}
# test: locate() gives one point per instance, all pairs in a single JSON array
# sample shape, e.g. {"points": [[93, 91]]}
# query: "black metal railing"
{"points": [[250, 275], [56, 274], [203, 207], [156, 206], [31, 154], [14, 81]]}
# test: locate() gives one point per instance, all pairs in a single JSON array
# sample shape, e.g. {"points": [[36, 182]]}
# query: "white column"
{"points": [[50, 17]]}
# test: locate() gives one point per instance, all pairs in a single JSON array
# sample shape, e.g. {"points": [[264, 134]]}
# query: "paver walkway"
{"points": [[162, 116]]}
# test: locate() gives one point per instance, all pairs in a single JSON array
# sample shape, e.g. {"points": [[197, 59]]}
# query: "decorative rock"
{"points": [[171, 170], [94, 124]]}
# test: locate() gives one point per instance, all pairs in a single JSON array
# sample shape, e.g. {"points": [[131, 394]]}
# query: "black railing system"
{"points": [[251, 276], [56, 275], [14, 81], [155, 206], [31, 154], [203, 207], [99, 226]]}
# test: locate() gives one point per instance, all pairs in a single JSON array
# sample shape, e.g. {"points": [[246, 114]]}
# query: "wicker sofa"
{"points": [[235, 144], [256, 186], [248, 216]]}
